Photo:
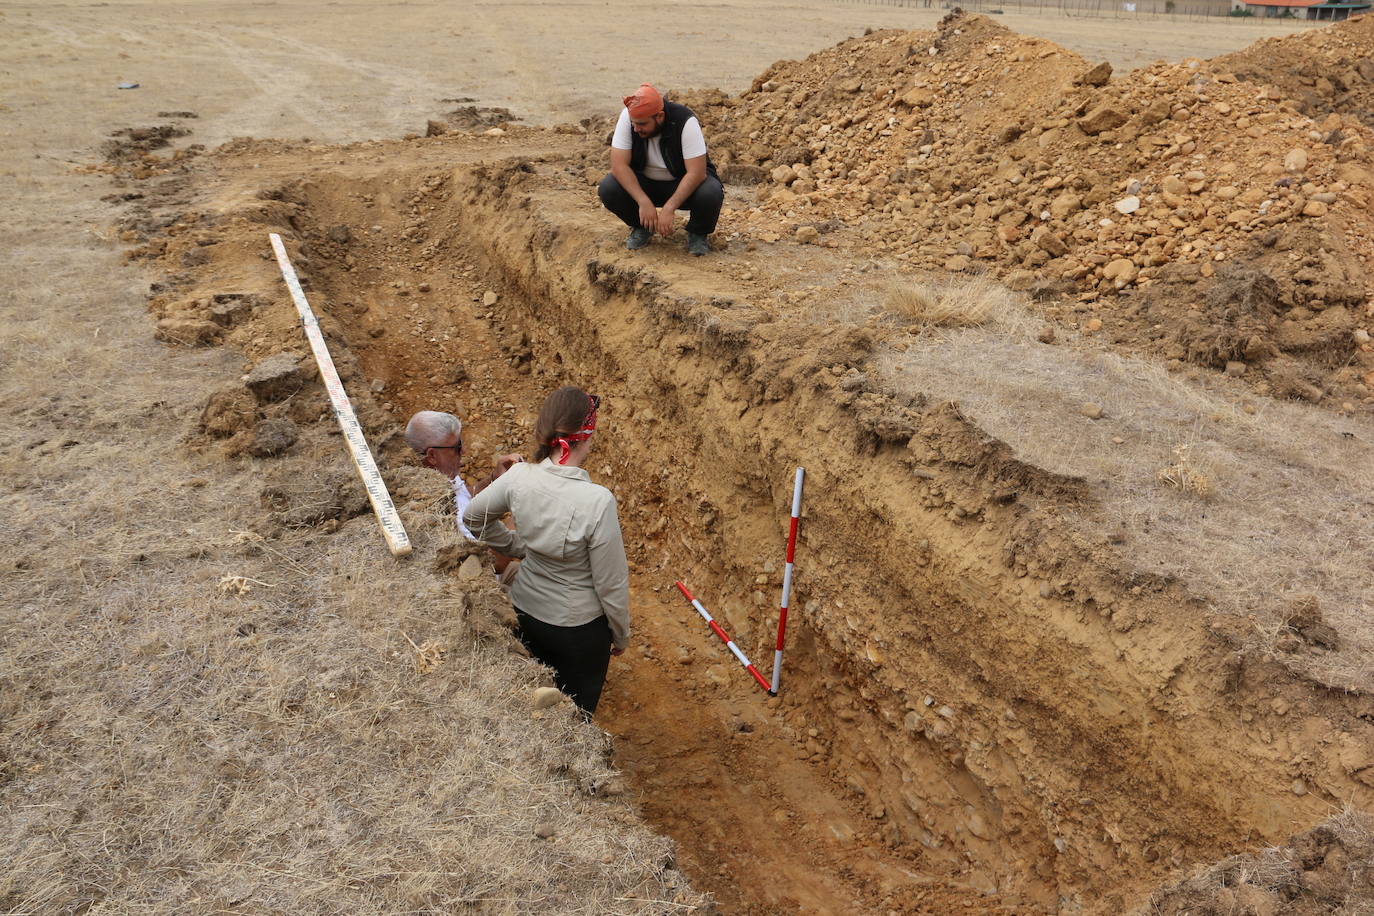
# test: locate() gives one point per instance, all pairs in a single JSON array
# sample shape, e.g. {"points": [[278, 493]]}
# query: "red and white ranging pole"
{"points": [[787, 579], [730, 643]]}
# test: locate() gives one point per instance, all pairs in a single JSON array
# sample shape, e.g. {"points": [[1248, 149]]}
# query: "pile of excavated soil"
{"points": [[1190, 213], [1325, 71]]}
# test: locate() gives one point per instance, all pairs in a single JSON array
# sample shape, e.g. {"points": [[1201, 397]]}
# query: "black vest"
{"points": [[675, 117]]}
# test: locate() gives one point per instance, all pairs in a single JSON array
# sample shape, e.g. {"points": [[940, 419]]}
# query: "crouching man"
{"points": [[659, 165]]}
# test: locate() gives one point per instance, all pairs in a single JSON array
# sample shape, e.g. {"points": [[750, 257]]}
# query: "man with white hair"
{"points": [[437, 438]]}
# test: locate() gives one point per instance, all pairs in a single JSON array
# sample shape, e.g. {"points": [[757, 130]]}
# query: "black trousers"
{"points": [[704, 203], [579, 656]]}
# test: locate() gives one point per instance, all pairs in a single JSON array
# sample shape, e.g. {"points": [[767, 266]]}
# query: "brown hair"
{"points": [[562, 414]]}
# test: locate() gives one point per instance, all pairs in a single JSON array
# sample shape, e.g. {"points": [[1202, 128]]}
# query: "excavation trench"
{"points": [[975, 702]]}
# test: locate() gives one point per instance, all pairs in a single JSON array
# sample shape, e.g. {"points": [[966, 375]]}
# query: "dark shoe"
{"points": [[698, 244], [638, 238]]}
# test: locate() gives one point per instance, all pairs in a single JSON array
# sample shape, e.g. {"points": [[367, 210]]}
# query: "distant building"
{"points": [[1298, 9]]}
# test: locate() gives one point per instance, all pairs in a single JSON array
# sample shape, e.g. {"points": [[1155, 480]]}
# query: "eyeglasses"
{"points": [[596, 401], [458, 447]]}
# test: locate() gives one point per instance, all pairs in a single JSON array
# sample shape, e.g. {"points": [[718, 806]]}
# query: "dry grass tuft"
{"points": [[958, 302], [429, 654], [1186, 475], [940, 306]]}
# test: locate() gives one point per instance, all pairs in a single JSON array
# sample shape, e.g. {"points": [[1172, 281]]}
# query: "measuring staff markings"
{"points": [[787, 577], [729, 643], [397, 541]]}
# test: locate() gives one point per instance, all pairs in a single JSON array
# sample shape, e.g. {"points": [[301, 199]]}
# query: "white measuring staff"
{"points": [[397, 541]]}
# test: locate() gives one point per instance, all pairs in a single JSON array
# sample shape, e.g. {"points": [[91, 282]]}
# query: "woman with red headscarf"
{"points": [[572, 596]]}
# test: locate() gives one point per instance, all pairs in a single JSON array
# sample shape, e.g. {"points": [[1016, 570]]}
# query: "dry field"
{"points": [[1033, 671]]}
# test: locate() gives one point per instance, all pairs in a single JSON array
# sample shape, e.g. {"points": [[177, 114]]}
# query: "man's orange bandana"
{"points": [[645, 103]]}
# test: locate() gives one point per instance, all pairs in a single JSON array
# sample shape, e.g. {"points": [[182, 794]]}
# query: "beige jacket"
{"points": [[568, 533]]}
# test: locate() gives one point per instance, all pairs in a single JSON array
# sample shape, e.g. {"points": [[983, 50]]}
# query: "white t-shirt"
{"points": [[693, 145], [461, 498]]}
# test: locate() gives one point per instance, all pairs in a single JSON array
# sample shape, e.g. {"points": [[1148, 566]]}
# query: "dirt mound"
{"points": [[130, 143], [974, 149], [469, 117], [1326, 71], [1325, 870]]}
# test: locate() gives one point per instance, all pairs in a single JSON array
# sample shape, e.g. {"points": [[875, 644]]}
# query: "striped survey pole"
{"points": [[787, 579], [730, 643]]}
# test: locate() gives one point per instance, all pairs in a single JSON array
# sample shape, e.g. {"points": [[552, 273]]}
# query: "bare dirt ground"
{"points": [[219, 694]]}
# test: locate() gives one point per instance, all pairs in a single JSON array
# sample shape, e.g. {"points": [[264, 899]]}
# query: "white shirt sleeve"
{"points": [[461, 497], [693, 140], [621, 139]]}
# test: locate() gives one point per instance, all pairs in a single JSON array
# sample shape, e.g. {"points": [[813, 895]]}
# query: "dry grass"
{"points": [[339, 741], [956, 302], [940, 306], [1286, 507], [1187, 475], [201, 711]]}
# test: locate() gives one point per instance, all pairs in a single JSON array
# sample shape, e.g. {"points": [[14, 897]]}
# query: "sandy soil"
{"points": [[347, 71]]}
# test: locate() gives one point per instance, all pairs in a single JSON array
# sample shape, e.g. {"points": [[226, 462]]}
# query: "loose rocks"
{"points": [[471, 570], [1120, 271], [1097, 76], [1101, 119], [544, 697]]}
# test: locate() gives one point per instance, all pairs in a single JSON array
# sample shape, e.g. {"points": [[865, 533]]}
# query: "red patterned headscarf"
{"points": [[583, 433]]}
